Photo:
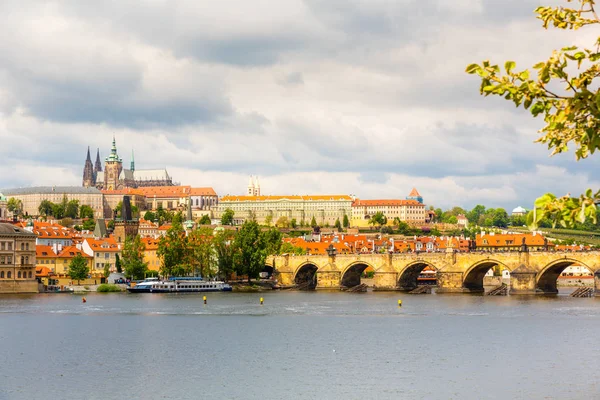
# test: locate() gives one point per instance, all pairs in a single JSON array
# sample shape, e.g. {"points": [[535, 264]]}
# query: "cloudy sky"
{"points": [[363, 97]]}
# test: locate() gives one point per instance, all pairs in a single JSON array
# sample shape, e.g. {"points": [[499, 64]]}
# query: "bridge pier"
{"points": [[523, 280], [597, 283], [328, 279], [451, 282], [385, 281]]}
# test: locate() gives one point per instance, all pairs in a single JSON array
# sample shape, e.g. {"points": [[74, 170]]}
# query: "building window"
{"points": [[8, 274], [9, 245], [2, 244], [23, 246], [9, 260], [22, 260], [26, 246], [19, 275], [27, 260], [30, 275], [1, 274]]}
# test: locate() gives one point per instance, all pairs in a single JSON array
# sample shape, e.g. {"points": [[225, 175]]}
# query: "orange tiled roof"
{"points": [[414, 193], [42, 251], [166, 191], [72, 251], [125, 191], [500, 240], [275, 198], [371, 203], [105, 245], [203, 191], [150, 243], [41, 272]]}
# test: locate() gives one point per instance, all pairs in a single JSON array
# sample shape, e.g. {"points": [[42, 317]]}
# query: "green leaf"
{"points": [[473, 68], [509, 66]]}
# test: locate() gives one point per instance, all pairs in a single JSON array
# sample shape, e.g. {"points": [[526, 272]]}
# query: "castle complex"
{"points": [[115, 177]]}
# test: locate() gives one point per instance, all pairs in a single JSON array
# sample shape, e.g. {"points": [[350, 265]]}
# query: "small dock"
{"points": [[501, 290], [583, 292]]}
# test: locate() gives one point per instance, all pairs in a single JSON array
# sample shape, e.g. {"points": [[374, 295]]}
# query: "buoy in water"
{"points": [[204, 298], [399, 303], [262, 301], [83, 300]]}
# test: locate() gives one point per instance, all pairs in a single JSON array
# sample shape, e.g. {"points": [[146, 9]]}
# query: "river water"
{"points": [[299, 345]]}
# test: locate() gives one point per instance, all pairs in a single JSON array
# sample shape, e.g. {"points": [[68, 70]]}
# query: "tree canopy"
{"points": [[78, 268], [132, 258], [563, 90], [227, 217]]}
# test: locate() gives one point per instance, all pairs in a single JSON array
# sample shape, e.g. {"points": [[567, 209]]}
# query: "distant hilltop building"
{"points": [[412, 210], [115, 177], [519, 212], [253, 187]]}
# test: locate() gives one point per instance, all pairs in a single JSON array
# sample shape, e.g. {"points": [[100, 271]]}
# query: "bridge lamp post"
{"points": [[331, 251]]}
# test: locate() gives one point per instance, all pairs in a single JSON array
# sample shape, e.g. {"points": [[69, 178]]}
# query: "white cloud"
{"points": [[336, 96]]}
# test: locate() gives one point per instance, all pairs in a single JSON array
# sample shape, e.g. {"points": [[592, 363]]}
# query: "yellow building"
{"points": [[104, 251], [32, 197], [150, 256], [409, 211], [58, 258], [325, 209], [17, 260]]}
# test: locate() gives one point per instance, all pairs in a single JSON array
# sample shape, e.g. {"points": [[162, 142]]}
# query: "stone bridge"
{"points": [[530, 272]]}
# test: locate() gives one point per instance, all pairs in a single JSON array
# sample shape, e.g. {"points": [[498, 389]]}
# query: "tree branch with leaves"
{"points": [[565, 91]]}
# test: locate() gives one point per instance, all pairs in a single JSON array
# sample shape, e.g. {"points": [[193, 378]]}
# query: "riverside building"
{"points": [[32, 197], [325, 209], [411, 210], [17, 260]]}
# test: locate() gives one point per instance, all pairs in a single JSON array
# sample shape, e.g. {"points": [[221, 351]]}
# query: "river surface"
{"points": [[299, 345]]}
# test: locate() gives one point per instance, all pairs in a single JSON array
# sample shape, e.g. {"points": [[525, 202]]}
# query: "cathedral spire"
{"points": [[88, 171], [132, 168], [98, 164]]}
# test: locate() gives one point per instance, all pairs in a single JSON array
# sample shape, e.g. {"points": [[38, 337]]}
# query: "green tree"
{"points": [[172, 249], [106, 270], [338, 225], [15, 206], [566, 93], [227, 217], [89, 225], [500, 218], [250, 250], [118, 265], [205, 220], [475, 213], [224, 251], [58, 211], [288, 248], [45, 208], [346, 222], [133, 258], [86, 211], [269, 219], [78, 268], [293, 223], [200, 255], [313, 222], [272, 240], [72, 209], [378, 219], [282, 222], [149, 216], [451, 219]]}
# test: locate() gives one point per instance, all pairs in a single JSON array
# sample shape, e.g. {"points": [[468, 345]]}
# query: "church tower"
{"points": [[88, 171], [256, 186], [98, 164], [250, 187], [113, 166]]}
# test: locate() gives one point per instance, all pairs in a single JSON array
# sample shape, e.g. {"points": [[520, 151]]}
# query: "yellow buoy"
{"points": [[399, 303], [261, 301], [204, 298]]}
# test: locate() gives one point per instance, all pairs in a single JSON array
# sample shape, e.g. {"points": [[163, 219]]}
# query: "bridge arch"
{"points": [[306, 276], [473, 277], [352, 273], [410, 274], [546, 280]]}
